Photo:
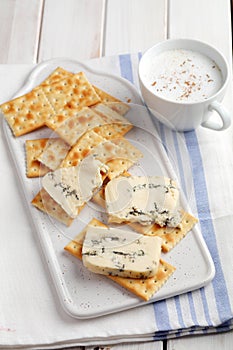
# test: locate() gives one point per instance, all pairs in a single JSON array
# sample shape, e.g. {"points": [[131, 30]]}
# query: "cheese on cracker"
{"points": [[143, 199], [118, 155], [119, 252], [144, 288], [45, 203], [171, 236], [72, 187]]}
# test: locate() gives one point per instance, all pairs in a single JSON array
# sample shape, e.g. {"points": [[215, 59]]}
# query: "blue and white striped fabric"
{"points": [[208, 309]]}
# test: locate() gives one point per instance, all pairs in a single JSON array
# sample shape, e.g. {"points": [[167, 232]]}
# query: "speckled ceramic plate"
{"points": [[84, 294]]}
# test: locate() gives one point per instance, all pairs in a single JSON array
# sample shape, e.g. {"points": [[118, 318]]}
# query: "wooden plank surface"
{"points": [[19, 30], [130, 346], [207, 342], [134, 25], [72, 28], [185, 21]]}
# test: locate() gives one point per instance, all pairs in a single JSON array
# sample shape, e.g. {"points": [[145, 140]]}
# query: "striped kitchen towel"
{"points": [[210, 308]]}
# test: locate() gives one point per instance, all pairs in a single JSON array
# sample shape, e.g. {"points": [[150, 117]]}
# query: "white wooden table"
{"points": [[33, 31]]}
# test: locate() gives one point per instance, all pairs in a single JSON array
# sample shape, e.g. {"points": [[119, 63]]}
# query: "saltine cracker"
{"points": [[144, 288]]}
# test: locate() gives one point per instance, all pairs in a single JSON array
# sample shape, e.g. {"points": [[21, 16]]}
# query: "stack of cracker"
{"points": [[144, 288], [86, 121]]}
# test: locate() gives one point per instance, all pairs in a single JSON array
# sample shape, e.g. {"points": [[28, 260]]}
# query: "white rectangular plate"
{"points": [[84, 294]]}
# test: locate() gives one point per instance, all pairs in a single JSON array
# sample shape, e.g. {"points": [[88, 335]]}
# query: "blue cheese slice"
{"points": [[118, 252], [143, 199], [72, 187]]}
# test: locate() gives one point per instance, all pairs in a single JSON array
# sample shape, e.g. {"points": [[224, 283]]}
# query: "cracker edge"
{"points": [[135, 286], [170, 239]]}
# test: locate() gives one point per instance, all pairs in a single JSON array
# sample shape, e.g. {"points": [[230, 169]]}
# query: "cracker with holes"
{"points": [[73, 187], [114, 116], [102, 119], [117, 155], [33, 149], [82, 148], [90, 154], [110, 101], [170, 236], [44, 155], [147, 200], [58, 74], [115, 259], [27, 113], [54, 153], [50, 103], [45, 203], [58, 98], [67, 96]]}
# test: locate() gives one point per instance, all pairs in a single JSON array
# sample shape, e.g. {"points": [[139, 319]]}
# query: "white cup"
{"points": [[185, 115]]}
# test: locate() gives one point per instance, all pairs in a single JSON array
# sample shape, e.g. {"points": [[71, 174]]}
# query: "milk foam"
{"points": [[183, 75]]}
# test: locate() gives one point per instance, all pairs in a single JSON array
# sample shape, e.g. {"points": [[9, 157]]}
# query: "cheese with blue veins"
{"points": [[73, 186], [118, 252], [143, 199]]}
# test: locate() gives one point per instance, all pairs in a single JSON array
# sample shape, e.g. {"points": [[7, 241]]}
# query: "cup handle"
{"points": [[223, 114]]}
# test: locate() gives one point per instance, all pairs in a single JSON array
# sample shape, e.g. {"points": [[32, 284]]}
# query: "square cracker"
{"points": [[146, 288], [171, 236], [33, 149], [53, 154], [106, 122], [58, 74], [109, 115], [104, 96], [112, 116], [44, 155], [119, 154], [45, 203], [119, 107], [143, 288], [67, 96], [76, 126], [81, 150], [112, 102], [28, 112], [124, 157]]}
